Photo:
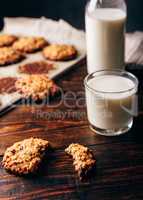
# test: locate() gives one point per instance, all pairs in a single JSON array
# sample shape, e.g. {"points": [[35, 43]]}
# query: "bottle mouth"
{"points": [[94, 4]]}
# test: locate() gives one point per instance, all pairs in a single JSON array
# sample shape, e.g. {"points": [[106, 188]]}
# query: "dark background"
{"points": [[70, 10]]}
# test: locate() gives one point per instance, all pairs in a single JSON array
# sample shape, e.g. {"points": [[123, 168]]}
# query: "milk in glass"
{"points": [[110, 102]]}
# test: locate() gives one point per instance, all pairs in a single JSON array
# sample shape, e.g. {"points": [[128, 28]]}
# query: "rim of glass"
{"points": [[118, 72]]}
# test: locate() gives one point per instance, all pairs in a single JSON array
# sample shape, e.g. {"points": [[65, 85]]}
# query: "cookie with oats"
{"points": [[7, 40], [30, 44], [8, 55], [36, 87], [37, 67], [59, 52], [83, 159], [25, 157], [7, 85]]}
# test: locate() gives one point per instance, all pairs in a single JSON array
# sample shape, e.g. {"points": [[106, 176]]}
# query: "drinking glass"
{"points": [[111, 101]]}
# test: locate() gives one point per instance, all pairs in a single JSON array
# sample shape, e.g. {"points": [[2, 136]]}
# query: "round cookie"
{"points": [[30, 44], [24, 157], [59, 52], [7, 85], [36, 87], [37, 67], [8, 55], [7, 40]]}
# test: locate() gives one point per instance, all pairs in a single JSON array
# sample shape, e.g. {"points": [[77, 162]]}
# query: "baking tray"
{"points": [[8, 101]]}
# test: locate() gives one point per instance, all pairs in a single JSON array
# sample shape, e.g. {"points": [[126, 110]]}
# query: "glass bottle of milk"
{"points": [[105, 34]]}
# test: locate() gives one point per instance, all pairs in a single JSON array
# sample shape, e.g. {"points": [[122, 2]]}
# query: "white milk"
{"points": [[105, 38], [110, 110]]}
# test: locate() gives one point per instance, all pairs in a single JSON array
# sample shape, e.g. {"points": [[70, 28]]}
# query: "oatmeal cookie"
{"points": [[7, 85], [36, 87], [30, 44], [8, 55], [24, 157], [83, 159], [7, 40], [39, 67], [59, 52]]}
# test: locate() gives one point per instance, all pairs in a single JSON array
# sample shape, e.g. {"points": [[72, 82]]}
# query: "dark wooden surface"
{"points": [[119, 173]]}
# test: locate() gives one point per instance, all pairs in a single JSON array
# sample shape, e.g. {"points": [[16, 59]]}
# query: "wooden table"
{"points": [[119, 173]]}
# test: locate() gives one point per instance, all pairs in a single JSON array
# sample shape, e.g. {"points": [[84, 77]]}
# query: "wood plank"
{"points": [[62, 133], [117, 173], [119, 159]]}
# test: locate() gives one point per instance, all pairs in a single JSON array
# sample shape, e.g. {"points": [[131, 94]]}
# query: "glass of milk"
{"points": [[111, 101], [105, 34]]}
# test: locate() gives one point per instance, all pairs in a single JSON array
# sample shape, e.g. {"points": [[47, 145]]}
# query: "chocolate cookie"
{"points": [[7, 40], [7, 85], [83, 159], [39, 67], [8, 55], [30, 44], [36, 87], [59, 52], [24, 157]]}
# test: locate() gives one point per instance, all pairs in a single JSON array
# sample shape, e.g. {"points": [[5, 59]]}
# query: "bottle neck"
{"points": [[93, 4]]}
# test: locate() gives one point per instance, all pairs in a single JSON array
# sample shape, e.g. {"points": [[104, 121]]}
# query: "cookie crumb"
{"points": [[83, 159]]}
